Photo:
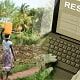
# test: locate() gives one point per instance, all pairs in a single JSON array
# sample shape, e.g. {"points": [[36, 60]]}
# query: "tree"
{"points": [[21, 17], [7, 8]]}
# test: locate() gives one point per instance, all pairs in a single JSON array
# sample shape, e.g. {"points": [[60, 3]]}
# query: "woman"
{"points": [[8, 55]]}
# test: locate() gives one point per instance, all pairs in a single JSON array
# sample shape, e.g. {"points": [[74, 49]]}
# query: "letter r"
{"points": [[67, 4]]}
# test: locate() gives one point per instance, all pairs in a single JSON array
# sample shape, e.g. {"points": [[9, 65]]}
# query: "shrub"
{"points": [[24, 38]]}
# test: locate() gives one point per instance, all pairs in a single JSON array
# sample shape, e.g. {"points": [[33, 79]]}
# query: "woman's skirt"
{"points": [[7, 60]]}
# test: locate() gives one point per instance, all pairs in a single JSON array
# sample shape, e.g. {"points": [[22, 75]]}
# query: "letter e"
{"points": [[73, 6]]}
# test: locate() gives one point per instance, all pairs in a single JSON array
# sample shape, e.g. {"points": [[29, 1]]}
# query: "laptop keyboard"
{"points": [[68, 53]]}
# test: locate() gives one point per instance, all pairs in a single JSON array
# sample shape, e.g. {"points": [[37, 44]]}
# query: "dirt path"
{"points": [[24, 73]]}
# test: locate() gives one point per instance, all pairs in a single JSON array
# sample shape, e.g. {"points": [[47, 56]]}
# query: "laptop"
{"points": [[64, 40]]}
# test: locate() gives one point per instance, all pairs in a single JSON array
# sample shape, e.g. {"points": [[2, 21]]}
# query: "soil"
{"points": [[24, 73], [23, 54]]}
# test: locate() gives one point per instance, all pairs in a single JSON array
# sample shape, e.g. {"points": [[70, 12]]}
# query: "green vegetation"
{"points": [[40, 75], [26, 21], [22, 67], [26, 31], [24, 38], [45, 74]]}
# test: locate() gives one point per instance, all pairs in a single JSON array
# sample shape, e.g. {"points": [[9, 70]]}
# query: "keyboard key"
{"points": [[77, 60], [79, 48], [72, 59], [69, 53], [50, 38], [59, 58], [56, 48], [73, 46], [63, 55], [65, 43], [73, 63], [61, 42], [54, 52], [74, 55], [64, 51], [60, 45], [54, 39], [51, 42], [56, 43], [64, 47], [77, 65], [52, 46], [68, 61], [73, 49], [76, 47], [67, 57], [69, 48], [59, 53], [78, 56], [58, 40], [69, 45], [60, 49], [77, 51], [63, 60]]}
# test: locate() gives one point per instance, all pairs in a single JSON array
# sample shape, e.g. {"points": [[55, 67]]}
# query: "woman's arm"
{"points": [[12, 52], [2, 34]]}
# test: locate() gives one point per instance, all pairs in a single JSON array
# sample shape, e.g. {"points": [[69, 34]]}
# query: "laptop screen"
{"points": [[69, 18]]}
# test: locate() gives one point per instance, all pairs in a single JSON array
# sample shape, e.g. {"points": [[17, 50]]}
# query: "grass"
{"points": [[22, 67], [51, 76], [42, 75]]}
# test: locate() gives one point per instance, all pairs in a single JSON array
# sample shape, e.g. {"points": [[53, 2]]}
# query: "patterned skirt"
{"points": [[7, 60]]}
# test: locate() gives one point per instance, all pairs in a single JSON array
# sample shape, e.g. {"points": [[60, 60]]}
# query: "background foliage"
{"points": [[26, 21]]}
